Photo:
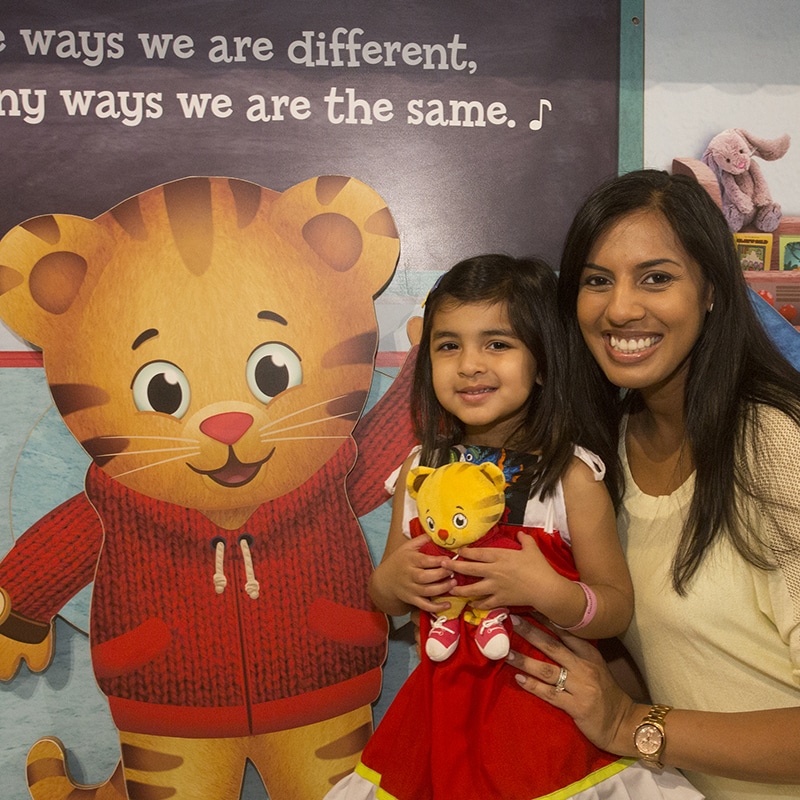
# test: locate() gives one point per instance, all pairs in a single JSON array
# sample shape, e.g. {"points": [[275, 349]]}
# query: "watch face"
{"points": [[648, 739]]}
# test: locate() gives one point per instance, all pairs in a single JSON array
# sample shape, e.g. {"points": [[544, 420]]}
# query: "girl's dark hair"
{"points": [[527, 286], [734, 364]]}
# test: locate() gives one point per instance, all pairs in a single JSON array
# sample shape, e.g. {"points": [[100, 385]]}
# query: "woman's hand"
{"points": [[589, 694]]}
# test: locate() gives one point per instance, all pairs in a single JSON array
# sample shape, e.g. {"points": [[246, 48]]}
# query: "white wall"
{"points": [[717, 64]]}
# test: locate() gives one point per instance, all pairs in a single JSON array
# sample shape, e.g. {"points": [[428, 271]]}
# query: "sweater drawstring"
{"points": [[252, 586], [220, 581]]}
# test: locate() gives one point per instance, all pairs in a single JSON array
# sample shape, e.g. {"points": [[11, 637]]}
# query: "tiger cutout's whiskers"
{"points": [[266, 436], [150, 466], [299, 438], [131, 437], [193, 450], [301, 411]]}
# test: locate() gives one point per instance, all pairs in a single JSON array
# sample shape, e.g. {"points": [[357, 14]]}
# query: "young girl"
{"points": [[490, 386]]}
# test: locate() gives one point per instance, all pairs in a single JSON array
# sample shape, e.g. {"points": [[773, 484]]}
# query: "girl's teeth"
{"points": [[631, 345]]}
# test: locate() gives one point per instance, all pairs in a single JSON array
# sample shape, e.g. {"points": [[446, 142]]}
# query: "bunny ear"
{"points": [[768, 149], [708, 160]]}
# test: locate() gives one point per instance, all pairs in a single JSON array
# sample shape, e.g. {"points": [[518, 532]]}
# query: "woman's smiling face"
{"points": [[641, 303]]}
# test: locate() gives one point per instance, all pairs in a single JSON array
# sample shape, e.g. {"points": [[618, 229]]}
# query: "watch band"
{"points": [[650, 732]]}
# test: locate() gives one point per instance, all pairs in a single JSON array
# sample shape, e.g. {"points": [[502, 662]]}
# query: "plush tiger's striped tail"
{"points": [[49, 777]]}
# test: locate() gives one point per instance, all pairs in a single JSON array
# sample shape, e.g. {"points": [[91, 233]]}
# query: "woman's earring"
{"points": [[710, 308]]}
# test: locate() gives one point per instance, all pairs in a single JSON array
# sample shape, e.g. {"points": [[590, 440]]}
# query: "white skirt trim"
{"points": [[626, 779]]}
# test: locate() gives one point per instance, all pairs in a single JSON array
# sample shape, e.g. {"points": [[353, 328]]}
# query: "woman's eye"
{"points": [[595, 280], [162, 387], [658, 278], [271, 369]]}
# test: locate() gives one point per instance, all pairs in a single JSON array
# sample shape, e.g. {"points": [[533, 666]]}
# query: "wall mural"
{"points": [[220, 223]]}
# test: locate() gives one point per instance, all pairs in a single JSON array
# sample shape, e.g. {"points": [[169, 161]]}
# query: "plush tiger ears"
{"points": [[462, 474], [46, 263], [415, 478]]}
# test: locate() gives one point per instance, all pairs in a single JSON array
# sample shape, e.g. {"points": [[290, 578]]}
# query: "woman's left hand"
{"points": [[589, 694]]}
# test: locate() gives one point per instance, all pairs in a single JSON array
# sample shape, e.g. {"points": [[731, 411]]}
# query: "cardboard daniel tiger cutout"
{"points": [[210, 343]]}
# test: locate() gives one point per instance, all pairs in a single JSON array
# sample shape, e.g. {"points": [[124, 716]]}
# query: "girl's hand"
{"points": [[507, 577], [414, 578], [602, 711]]}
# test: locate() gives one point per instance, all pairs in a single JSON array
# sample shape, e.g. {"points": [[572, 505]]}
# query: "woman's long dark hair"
{"points": [[527, 286], [734, 364]]}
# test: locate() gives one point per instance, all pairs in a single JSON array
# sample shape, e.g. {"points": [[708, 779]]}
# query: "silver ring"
{"points": [[562, 679]]}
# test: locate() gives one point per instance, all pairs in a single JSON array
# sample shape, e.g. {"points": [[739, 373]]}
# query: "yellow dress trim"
{"points": [[375, 779], [562, 794], [590, 780]]}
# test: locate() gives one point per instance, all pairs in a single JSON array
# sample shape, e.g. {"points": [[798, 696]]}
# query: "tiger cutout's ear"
{"points": [[415, 478], [346, 224], [494, 474], [48, 264]]}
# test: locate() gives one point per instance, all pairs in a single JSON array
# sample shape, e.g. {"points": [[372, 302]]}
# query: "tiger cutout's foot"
{"points": [[49, 777]]}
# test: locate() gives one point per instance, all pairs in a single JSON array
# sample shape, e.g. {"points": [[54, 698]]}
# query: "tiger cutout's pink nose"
{"points": [[227, 428], [443, 534]]}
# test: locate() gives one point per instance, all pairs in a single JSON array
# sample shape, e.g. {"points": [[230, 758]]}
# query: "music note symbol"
{"points": [[536, 124]]}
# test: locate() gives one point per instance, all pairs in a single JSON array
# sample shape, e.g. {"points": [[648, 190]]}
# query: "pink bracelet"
{"points": [[591, 609]]}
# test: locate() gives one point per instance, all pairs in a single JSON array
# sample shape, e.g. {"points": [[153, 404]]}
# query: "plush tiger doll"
{"points": [[211, 343]]}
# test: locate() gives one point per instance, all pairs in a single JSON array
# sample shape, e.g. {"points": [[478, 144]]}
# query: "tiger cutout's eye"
{"points": [[161, 386], [460, 520], [431, 523], [273, 368]]}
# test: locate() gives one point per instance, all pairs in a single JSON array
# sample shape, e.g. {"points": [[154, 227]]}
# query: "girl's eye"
{"points": [[447, 347], [499, 346]]}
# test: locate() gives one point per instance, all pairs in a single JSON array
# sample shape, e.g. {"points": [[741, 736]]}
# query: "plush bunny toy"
{"points": [[745, 195]]}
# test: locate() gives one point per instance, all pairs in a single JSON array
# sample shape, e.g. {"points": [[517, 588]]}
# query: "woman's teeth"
{"points": [[631, 345]]}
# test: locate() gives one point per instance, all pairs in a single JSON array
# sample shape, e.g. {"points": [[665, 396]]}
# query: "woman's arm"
{"points": [[525, 578], [758, 746], [405, 578]]}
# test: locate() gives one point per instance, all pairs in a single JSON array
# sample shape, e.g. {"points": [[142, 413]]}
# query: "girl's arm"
{"points": [[748, 746], [598, 557], [405, 578], [525, 578]]}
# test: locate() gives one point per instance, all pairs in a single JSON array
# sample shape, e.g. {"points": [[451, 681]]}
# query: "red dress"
{"points": [[462, 728]]}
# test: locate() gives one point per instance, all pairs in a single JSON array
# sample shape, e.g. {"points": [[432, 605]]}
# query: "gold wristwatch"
{"points": [[650, 738]]}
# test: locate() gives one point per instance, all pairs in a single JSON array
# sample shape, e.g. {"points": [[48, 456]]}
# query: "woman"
{"points": [[709, 480]]}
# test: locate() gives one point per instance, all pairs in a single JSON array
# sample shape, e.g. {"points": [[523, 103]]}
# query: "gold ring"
{"points": [[562, 679]]}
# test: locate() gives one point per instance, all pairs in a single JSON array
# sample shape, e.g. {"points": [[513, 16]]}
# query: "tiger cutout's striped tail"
{"points": [[49, 777]]}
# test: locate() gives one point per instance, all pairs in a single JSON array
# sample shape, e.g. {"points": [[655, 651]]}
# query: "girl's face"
{"points": [[641, 304], [482, 372]]}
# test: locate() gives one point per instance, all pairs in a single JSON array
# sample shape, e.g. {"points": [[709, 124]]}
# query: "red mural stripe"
{"points": [[20, 358], [390, 358]]}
